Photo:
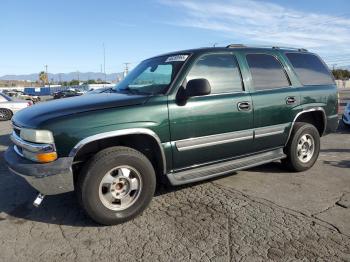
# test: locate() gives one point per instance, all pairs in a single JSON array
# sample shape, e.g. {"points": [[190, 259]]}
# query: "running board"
{"points": [[206, 172]]}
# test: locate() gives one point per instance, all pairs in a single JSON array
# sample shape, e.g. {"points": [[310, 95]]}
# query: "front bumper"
{"points": [[49, 179], [346, 117]]}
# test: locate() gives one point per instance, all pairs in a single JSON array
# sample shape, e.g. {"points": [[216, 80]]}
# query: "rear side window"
{"points": [[221, 70], [267, 72], [310, 69]]}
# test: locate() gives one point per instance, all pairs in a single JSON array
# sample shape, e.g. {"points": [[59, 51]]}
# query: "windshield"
{"points": [[7, 98], [152, 76]]}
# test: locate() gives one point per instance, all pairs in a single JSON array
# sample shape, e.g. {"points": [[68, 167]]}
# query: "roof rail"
{"points": [[273, 47], [235, 46], [292, 48]]}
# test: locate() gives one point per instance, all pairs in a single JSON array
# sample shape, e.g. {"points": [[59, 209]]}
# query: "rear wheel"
{"points": [[303, 147], [116, 185], [5, 114]]}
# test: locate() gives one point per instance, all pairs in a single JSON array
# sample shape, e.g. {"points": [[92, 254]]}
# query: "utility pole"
{"points": [[126, 69]]}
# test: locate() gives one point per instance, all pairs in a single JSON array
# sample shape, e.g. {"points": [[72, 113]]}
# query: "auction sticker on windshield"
{"points": [[176, 58]]}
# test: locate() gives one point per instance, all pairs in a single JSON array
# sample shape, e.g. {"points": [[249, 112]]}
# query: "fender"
{"points": [[307, 110], [117, 133]]}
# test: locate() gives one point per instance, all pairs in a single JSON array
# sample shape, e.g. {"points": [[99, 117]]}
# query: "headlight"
{"points": [[37, 145], [37, 136]]}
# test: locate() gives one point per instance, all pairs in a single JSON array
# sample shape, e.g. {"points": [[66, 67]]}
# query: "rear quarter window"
{"points": [[310, 69], [267, 72]]}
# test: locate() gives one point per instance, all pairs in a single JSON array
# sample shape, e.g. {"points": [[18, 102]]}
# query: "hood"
{"points": [[37, 114]]}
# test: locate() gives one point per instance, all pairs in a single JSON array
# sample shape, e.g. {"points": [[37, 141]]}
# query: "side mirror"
{"points": [[198, 87]]}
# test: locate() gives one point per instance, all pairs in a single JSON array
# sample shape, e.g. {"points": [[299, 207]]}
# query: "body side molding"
{"points": [[211, 140], [117, 133], [270, 130]]}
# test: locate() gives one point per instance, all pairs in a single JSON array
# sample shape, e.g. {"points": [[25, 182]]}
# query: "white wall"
{"points": [[343, 83]]}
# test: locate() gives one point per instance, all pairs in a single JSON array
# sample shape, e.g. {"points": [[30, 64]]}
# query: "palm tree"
{"points": [[43, 77]]}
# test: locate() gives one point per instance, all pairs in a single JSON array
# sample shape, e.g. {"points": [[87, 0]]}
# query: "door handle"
{"points": [[243, 106], [290, 100]]}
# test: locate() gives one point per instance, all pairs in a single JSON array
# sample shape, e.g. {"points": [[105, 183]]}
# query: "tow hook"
{"points": [[38, 200]]}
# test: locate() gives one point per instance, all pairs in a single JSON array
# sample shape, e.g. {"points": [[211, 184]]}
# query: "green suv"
{"points": [[184, 116]]}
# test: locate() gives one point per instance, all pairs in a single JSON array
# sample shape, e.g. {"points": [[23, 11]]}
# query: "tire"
{"points": [[302, 133], [107, 203], [5, 114]]}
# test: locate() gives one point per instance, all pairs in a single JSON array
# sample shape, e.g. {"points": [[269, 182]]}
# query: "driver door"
{"points": [[216, 126]]}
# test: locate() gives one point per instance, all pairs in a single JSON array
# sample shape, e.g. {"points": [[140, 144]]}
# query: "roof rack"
{"points": [[273, 47], [292, 48], [235, 46]]}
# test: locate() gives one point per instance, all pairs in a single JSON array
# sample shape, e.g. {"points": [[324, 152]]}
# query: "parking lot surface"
{"points": [[261, 214]]}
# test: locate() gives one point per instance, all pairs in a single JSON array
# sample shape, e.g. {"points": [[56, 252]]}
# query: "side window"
{"points": [[221, 70], [310, 69], [267, 72]]}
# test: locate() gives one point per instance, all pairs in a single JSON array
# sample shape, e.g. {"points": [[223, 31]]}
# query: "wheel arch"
{"points": [[128, 137], [312, 116]]}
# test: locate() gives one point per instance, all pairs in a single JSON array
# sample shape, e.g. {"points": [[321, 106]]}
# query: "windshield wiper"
{"points": [[133, 91]]}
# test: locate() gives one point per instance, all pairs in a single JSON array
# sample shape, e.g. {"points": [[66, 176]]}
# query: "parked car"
{"points": [[9, 106], [22, 96], [346, 114], [182, 117], [66, 93], [100, 90]]}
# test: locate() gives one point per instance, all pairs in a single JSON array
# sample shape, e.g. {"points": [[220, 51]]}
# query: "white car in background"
{"points": [[9, 106], [346, 114]]}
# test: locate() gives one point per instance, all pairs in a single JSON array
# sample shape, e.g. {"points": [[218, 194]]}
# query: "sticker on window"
{"points": [[176, 58]]}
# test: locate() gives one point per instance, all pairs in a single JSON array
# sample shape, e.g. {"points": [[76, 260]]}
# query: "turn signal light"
{"points": [[46, 157]]}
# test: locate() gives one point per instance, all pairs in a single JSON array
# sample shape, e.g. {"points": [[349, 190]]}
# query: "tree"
{"points": [[43, 77], [341, 74], [91, 82], [74, 82]]}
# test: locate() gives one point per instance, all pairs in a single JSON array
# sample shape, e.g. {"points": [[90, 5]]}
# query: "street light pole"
{"points": [[47, 76], [104, 62]]}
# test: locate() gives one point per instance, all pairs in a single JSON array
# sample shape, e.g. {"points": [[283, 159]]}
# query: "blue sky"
{"points": [[68, 35]]}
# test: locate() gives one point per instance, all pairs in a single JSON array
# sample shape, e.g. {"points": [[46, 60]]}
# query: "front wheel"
{"points": [[116, 185], [303, 147]]}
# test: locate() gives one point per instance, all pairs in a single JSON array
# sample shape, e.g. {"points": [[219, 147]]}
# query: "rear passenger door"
{"points": [[273, 97]]}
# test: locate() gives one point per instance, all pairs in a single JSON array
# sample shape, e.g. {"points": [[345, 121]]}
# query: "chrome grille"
{"points": [[16, 129]]}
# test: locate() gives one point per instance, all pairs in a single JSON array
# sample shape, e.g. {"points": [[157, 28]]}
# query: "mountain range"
{"points": [[65, 76], [82, 76]]}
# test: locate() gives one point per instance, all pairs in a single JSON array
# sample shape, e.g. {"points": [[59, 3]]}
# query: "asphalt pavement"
{"points": [[262, 214]]}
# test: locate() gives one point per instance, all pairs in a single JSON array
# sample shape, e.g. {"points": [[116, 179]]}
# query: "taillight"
{"points": [[30, 103]]}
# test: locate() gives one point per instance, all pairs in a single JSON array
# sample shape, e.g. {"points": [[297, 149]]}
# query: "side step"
{"points": [[206, 172]]}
